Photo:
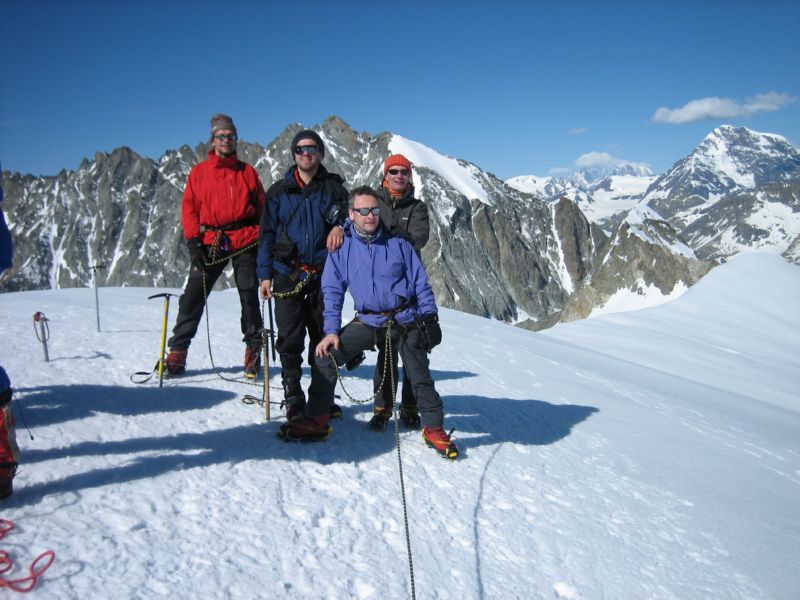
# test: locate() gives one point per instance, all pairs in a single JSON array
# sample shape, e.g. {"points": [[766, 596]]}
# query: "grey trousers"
{"points": [[357, 337]]}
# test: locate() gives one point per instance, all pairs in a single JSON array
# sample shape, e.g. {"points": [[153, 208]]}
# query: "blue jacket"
{"points": [[305, 215], [381, 274]]}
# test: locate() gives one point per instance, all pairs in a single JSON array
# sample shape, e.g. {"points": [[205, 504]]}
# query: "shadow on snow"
{"points": [[480, 420]]}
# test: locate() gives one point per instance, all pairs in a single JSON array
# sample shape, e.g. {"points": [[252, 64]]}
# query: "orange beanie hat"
{"points": [[396, 160]]}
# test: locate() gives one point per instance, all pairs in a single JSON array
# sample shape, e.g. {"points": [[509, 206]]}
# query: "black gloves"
{"points": [[197, 253], [432, 331]]}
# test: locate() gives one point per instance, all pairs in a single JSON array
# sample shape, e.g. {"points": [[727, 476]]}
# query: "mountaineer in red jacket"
{"points": [[220, 212]]}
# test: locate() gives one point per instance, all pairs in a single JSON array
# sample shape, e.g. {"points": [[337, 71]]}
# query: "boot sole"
{"points": [[378, 424], [450, 453], [285, 434]]}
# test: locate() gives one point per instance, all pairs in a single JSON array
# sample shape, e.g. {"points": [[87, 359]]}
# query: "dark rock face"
{"points": [[494, 251]]}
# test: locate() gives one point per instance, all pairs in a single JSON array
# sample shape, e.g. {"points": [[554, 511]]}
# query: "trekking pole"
{"points": [[42, 330], [271, 330], [163, 335], [96, 299]]}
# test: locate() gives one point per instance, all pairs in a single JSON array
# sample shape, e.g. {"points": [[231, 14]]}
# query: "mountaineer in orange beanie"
{"points": [[402, 215]]}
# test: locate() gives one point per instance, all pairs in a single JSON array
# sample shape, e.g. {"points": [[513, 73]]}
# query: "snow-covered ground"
{"points": [[647, 454]]}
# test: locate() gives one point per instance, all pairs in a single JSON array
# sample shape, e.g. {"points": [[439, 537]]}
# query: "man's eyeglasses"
{"points": [[230, 137], [365, 211], [312, 150], [403, 172]]}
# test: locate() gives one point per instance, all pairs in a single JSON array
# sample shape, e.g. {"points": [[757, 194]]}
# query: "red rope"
{"points": [[39, 565]]}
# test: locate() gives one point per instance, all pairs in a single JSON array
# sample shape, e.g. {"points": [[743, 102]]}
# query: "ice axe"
{"points": [[160, 365], [42, 330]]}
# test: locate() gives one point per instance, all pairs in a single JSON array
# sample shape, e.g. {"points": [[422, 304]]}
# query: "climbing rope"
{"points": [[387, 364], [39, 565], [388, 368], [248, 398]]}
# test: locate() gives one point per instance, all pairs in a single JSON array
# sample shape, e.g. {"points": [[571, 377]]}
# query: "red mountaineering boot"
{"points": [[176, 361], [252, 361], [436, 438]]}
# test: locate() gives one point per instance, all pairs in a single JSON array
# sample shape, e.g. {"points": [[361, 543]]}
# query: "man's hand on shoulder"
{"points": [[335, 239]]}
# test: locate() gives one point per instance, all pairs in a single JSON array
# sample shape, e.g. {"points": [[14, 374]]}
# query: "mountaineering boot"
{"points": [[252, 360], [293, 399], [355, 361], [436, 438], [410, 416], [335, 411], [176, 361], [306, 429], [380, 419]]}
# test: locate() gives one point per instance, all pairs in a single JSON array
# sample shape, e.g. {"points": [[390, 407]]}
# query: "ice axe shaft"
{"points": [[271, 330], [42, 330], [166, 297]]}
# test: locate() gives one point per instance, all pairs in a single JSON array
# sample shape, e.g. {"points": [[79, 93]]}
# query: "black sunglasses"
{"points": [[365, 211], [312, 150], [398, 171], [230, 136]]}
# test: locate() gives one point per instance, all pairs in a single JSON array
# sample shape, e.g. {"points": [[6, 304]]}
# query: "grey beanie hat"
{"points": [[308, 134], [220, 122]]}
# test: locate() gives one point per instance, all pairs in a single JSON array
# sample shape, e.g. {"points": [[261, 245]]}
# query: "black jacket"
{"points": [[405, 217]]}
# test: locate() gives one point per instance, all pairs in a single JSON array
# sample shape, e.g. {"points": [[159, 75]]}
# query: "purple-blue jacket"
{"points": [[382, 275]]}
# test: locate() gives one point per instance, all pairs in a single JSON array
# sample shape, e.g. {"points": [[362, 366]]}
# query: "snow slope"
{"points": [[647, 454]]}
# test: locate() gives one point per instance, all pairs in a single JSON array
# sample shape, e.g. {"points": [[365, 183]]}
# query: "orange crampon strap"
{"points": [[39, 565]]}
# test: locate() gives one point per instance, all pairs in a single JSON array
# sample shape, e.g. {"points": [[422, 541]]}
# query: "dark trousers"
{"points": [[357, 337], [193, 300], [294, 316], [385, 398]]}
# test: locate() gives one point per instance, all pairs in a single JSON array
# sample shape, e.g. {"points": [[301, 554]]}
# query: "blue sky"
{"points": [[519, 88]]}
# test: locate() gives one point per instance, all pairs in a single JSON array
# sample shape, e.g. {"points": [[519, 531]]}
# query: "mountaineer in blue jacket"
{"points": [[301, 223], [392, 296]]}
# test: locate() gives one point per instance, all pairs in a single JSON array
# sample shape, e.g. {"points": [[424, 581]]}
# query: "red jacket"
{"points": [[223, 193]]}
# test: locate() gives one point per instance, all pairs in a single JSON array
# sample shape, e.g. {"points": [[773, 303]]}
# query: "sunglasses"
{"points": [[365, 211], [231, 137], [398, 172], [312, 150]]}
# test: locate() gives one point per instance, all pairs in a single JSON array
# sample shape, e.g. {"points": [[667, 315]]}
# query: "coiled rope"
{"points": [[39, 565]]}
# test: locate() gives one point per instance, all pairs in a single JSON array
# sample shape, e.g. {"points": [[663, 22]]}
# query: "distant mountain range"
{"points": [[736, 192], [530, 251]]}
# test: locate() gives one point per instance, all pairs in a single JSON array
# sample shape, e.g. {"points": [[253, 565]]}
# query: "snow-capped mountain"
{"points": [[601, 193], [495, 251], [492, 251], [738, 190]]}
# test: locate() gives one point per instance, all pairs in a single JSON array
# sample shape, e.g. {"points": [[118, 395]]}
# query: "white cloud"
{"points": [[577, 131], [722, 108], [560, 171], [597, 159]]}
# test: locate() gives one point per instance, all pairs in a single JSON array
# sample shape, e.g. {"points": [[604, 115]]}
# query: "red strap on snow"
{"points": [[39, 565]]}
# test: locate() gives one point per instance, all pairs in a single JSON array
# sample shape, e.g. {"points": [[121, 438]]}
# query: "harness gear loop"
{"points": [[307, 275]]}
